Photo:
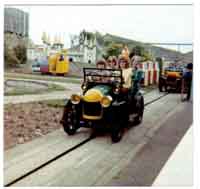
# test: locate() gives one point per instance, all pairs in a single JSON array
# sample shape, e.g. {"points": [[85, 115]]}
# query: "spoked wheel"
{"points": [[117, 133], [140, 109], [71, 124], [162, 87]]}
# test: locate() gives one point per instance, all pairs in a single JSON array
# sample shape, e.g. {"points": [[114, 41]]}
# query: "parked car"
{"points": [[36, 67], [103, 103]]}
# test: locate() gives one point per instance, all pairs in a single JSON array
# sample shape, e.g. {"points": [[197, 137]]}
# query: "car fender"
{"points": [[117, 103]]}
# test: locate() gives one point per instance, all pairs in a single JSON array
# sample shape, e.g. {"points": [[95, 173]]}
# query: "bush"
{"points": [[114, 49], [20, 52], [15, 56]]}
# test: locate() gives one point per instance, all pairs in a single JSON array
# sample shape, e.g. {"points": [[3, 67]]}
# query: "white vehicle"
{"points": [[36, 67]]}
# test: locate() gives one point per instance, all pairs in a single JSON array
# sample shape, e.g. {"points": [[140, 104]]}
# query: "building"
{"points": [[85, 48], [16, 33], [36, 52], [16, 21]]}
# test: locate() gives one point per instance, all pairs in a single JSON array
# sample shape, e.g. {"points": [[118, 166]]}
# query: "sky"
{"points": [[150, 23]]}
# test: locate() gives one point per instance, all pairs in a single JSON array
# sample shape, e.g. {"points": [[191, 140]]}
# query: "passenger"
{"points": [[136, 78], [126, 73], [111, 62]]}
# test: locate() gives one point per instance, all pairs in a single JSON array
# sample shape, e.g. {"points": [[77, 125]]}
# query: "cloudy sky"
{"points": [[150, 23]]}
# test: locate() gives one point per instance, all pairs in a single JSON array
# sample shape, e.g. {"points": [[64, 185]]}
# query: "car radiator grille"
{"points": [[171, 79], [92, 108]]}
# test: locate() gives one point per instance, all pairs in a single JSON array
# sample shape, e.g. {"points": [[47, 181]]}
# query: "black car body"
{"points": [[102, 103]]}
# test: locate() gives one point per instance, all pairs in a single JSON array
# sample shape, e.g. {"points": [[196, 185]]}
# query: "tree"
{"points": [[14, 56], [114, 49], [160, 64], [20, 51], [140, 51]]}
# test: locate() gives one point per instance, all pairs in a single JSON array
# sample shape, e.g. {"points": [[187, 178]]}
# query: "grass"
{"points": [[24, 91]]}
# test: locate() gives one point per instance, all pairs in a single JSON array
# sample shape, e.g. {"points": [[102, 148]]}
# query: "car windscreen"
{"points": [[102, 75], [174, 69]]}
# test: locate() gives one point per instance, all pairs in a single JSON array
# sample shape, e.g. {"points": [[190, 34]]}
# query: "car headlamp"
{"points": [[116, 90], [106, 101], [75, 99], [83, 87]]}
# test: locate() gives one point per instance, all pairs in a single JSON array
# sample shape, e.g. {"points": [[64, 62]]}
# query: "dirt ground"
{"points": [[25, 122]]}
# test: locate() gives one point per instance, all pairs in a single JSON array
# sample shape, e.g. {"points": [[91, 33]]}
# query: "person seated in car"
{"points": [[101, 64], [111, 62], [127, 73], [136, 78]]}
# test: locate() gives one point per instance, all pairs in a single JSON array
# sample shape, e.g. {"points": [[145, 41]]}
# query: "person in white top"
{"points": [[126, 73]]}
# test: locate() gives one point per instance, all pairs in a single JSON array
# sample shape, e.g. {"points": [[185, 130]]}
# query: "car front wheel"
{"points": [[70, 126], [140, 108], [117, 133]]}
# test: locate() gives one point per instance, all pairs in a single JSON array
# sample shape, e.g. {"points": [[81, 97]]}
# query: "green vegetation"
{"points": [[15, 56], [141, 51], [43, 78], [160, 64], [113, 49], [27, 91]]}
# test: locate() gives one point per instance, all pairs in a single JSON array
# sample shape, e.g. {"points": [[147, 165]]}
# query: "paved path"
{"points": [[144, 168], [96, 162]]}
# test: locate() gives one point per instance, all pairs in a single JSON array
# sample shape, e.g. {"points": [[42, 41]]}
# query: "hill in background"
{"points": [[168, 54]]}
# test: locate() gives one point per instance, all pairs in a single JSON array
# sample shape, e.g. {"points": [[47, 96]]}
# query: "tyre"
{"points": [[140, 108], [162, 87], [71, 124], [119, 122], [117, 133]]}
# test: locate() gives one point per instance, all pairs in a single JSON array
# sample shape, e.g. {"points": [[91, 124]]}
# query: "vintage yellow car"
{"points": [[171, 79], [103, 103]]}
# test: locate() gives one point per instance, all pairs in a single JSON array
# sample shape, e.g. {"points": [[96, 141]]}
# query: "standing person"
{"points": [[187, 80]]}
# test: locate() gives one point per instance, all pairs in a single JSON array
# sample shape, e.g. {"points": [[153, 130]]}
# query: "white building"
{"points": [[85, 50], [36, 52]]}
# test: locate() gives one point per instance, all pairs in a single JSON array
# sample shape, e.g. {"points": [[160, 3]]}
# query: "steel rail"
{"points": [[68, 151]]}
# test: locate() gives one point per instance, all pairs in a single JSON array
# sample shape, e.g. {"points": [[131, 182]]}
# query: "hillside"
{"points": [[105, 40], [188, 57]]}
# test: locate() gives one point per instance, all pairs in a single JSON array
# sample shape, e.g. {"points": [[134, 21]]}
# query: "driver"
{"points": [[101, 64]]}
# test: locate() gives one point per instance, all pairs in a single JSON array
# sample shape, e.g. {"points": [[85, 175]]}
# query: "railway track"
{"points": [[68, 151]]}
